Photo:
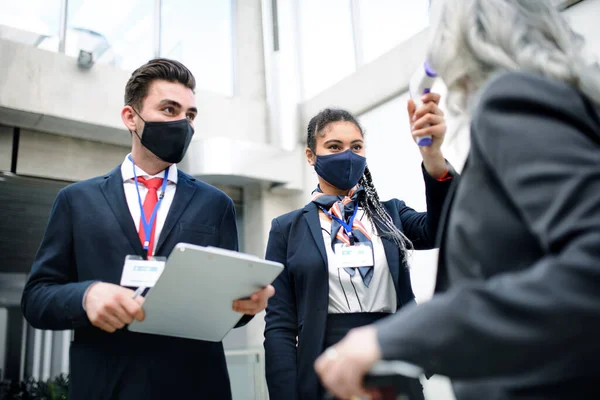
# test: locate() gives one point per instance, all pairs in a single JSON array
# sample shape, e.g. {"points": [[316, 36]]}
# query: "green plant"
{"points": [[52, 389]]}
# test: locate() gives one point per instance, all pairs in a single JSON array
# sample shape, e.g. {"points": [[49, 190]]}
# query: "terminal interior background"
{"points": [[263, 68]]}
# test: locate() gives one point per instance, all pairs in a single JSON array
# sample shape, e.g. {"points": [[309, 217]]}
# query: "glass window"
{"points": [[119, 33], [199, 34], [386, 23], [327, 46], [32, 22]]}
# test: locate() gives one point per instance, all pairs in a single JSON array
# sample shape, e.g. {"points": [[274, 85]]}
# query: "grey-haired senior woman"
{"points": [[517, 313]]}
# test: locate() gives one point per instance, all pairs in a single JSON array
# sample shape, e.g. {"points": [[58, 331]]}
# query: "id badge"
{"points": [[359, 255], [139, 272]]}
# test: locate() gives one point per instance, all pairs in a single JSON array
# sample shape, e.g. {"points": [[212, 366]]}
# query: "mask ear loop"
{"points": [[138, 114]]}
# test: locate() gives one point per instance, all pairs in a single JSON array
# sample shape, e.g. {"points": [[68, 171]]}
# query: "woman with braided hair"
{"points": [[345, 252]]}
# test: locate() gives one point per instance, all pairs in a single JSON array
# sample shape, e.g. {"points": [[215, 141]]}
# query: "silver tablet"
{"points": [[193, 297]]}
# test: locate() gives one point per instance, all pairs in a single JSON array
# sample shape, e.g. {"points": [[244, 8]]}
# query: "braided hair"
{"points": [[375, 211]]}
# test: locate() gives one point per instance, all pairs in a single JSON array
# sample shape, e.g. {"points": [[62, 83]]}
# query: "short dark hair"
{"points": [[320, 121], [136, 89]]}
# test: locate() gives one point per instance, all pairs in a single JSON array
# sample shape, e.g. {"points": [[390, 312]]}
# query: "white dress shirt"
{"points": [[349, 294], [131, 194]]}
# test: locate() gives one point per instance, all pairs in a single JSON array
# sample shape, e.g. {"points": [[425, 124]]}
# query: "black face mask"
{"points": [[342, 170], [167, 140]]}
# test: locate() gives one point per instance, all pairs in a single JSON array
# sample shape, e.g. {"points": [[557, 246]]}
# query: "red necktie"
{"points": [[149, 203]]}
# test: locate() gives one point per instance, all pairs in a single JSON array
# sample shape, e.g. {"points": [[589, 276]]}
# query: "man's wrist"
{"points": [[86, 293]]}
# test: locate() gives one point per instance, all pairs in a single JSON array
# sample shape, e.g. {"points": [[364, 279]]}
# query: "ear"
{"points": [[310, 157], [128, 117]]}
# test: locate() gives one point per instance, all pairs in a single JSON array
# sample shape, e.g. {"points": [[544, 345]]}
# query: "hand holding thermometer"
{"points": [[420, 84]]}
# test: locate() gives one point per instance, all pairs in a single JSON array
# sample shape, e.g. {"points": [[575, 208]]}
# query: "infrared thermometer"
{"points": [[420, 84]]}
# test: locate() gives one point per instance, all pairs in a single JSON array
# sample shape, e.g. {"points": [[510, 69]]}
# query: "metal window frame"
{"points": [[234, 45], [62, 32], [157, 27], [357, 36]]}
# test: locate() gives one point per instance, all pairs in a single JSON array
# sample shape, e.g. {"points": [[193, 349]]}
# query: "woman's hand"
{"points": [[428, 120], [343, 366]]}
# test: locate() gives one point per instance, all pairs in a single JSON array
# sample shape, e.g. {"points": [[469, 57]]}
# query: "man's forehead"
{"points": [[161, 90]]}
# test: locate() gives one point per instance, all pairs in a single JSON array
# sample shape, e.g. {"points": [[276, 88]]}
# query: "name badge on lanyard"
{"points": [[357, 255], [148, 224], [138, 272]]}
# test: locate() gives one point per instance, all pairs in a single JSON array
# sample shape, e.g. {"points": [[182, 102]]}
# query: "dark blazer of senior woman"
{"points": [[518, 316]]}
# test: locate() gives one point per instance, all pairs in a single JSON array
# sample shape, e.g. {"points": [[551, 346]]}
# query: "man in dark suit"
{"points": [[143, 207]]}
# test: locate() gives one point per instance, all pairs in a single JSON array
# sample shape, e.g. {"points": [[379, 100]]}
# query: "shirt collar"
{"points": [[127, 171]]}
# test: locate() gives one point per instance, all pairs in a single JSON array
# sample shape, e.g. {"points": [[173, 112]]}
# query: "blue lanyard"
{"points": [[347, 226], [148, 224]]}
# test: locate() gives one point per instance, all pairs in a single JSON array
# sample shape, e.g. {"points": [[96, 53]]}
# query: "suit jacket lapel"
{"points": [[392, 253], [183, 195], [393, 260], [311, 214], [112, 189]]}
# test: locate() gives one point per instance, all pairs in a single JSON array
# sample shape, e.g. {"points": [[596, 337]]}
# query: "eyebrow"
{"points": [[339, 141], [173, 103]]}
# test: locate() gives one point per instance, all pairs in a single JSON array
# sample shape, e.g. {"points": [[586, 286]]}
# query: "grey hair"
{"points": [[472, 40]]}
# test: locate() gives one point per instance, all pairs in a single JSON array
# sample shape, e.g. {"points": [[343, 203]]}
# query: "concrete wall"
{"points": [[46, 91], [6, 140], [42, 90], [60, 157], [249, 68]]}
